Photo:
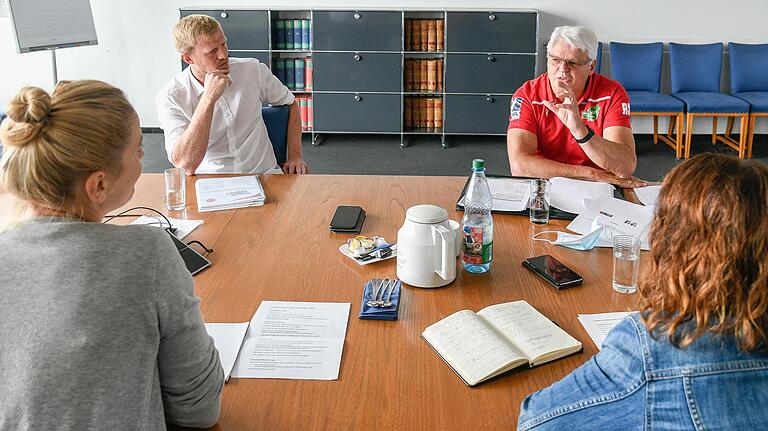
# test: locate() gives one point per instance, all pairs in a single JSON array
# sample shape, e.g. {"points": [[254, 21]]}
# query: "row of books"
{"points": [[424, 35], [424, 75], [294, 73], [305, 107], [293, 34], [423, 113]]}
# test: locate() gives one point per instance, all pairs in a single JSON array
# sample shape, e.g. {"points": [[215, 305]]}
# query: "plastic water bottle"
{"points": [[477, 223]]}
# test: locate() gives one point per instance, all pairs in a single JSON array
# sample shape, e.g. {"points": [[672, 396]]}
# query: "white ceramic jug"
{"points": [[427, 247]]}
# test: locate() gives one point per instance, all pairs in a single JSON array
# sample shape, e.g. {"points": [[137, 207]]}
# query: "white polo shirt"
{"points": [[238, 141]]}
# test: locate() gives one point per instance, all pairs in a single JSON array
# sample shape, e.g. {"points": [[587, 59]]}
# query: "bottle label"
{"points": [[473, 250]]}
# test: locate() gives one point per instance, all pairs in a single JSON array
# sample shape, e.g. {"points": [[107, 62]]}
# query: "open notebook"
{"points": [[496, 339]]}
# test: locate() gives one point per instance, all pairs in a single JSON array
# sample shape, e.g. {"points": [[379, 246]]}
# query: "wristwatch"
{"points": [[585, 139]]}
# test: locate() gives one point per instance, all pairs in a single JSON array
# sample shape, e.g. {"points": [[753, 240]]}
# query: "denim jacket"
{"points": [[638, 383]]}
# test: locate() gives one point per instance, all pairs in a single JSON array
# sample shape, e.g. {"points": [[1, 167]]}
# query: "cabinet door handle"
{"points": [[489, 99], [492, 17], [224, 15], [357, 57], [358, 98], [357, 15], [491, 58]]}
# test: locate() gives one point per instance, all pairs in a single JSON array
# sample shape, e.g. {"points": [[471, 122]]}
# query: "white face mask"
{"points": [[570, 240]]}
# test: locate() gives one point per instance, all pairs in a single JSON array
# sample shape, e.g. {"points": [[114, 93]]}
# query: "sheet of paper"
{"points": [[618, 216], [568, 194], [648, 195], [183, 227], [228, 337], [509, 194], [215, 194], [599, 325], [294, 340]]}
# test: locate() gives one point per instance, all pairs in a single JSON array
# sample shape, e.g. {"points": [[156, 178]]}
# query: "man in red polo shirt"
{"points": [[570, 122]]}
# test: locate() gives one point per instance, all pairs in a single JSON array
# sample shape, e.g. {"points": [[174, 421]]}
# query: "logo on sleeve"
{"points": [[625, 109], [591, 113], [514, 108]]}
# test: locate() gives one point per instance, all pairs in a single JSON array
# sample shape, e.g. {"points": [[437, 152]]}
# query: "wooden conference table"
{"points": [[389, 377]]}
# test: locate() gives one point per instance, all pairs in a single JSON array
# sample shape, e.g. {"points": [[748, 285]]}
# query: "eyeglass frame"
{"points": [[572, 64]]}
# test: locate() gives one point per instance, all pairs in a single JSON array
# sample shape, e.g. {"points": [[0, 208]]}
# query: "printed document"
{"points": [[570, 195], [228, 337], [619, 218], [509, 194], [599, 325], [648, 195], [183, 227], [294, 340], [225, 193]]}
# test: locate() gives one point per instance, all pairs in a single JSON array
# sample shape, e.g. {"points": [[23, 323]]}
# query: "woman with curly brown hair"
{"points": [[696, 356]]}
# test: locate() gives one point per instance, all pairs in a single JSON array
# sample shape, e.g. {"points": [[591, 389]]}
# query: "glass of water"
{"points": [[626, 263], [175, 189], [539, 201]]}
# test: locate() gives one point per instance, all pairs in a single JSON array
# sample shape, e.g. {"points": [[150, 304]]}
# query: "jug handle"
{"points": [[447, 251]]}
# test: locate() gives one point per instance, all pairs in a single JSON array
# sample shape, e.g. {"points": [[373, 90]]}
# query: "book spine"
{"points": [[431, 35], [407, 43], [297, 34], [408, 74], [438, 114], [304, 115], [290, 74], [440, 35], [440, 75], [417, 114], [280, 69], [288, 34], [310, 116], [424, 35], [305, 34], [430, 108], [416, 35], [432, 75], [423, 78], [280, 37], [299, 71], [308, 73], [408, 112]]}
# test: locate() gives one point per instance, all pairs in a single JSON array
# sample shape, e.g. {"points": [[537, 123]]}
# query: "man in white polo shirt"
{"points": [[211, 112]]}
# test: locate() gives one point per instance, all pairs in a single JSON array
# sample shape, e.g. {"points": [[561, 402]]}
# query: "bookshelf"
{"points": [[405, 72]]}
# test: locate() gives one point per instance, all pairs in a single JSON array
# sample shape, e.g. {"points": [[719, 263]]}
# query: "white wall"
{"points": [[136, 54]]}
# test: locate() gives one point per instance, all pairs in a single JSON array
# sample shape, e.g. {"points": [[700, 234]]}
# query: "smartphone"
{"points": [[347, 219], [553, 271]]}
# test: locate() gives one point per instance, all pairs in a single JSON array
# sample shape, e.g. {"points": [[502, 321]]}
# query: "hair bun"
{"points": [[29, 112]]}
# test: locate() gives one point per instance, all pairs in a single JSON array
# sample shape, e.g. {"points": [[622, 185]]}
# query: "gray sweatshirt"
{"points": [[100, 329]]}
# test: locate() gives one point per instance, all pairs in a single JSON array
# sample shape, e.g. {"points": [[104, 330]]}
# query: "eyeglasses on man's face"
{"points": [[572, 64]]}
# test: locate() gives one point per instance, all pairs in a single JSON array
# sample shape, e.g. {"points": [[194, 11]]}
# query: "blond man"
{"points": [[211, 112]]}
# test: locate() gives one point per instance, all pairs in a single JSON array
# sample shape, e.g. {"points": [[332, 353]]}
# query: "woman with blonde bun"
{"points": [[100, 327]]}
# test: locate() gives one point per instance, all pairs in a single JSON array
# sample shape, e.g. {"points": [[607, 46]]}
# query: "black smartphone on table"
{"points": [[553, 271], [347, 219]]}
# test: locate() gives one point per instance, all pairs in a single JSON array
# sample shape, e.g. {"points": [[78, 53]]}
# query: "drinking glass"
{"points": [[539, 201], [175, 189], [626, 263]]}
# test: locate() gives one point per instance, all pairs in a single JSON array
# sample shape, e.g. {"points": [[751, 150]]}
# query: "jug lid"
{"points": [[426, 214]]}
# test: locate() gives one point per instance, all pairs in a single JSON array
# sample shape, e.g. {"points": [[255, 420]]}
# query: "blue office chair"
{"points": [[749, 82], [276, 121], [696, 81], [637, 66], [599, 57]]}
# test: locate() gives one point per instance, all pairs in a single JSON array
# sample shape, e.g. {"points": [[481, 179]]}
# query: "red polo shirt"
{"points": [[604, 104]]}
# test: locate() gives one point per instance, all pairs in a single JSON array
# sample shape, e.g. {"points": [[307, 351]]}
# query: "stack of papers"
{"points": [[214, 194]]}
